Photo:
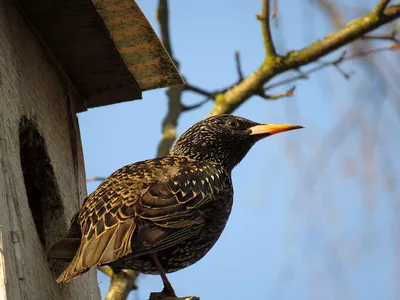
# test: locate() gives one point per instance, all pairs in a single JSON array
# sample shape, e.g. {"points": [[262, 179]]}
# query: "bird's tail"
{"points": [[68, 250], [74, 269], [113, 243]]}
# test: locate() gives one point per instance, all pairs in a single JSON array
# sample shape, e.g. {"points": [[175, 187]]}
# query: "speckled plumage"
{"points": [[175, 206]]}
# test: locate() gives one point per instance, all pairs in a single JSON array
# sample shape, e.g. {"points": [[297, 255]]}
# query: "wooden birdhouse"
{"points": [[58, 58]]}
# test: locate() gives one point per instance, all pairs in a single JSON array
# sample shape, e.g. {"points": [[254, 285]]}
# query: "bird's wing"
{"points": [[143, 208]]}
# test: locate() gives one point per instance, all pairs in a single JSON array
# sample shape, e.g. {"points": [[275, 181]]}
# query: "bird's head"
{"points": [[224, 139]]}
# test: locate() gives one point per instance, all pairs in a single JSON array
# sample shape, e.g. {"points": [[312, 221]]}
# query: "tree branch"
{"points": [[266, 30], [275, 10], [380, 7], [391, 36], [194, 106], [335, 62], [227, 102], [334, 14], [239, 66], [95, 179], [122, 283], [195, 89], [288, 93], [174, 94]]}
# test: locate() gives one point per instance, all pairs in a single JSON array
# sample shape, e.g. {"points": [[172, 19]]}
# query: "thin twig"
{"points": [[239, 66], [275, 13], [266, 30], [392, 36], [288, 93], [335, 16], [194, 106], [196, 89], [95, 179], [275, 10]]}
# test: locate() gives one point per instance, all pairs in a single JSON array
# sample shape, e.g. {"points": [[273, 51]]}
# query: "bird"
{"points": [[161, 215]]}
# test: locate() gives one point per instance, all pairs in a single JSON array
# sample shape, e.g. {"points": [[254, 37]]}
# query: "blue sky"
{"points": [[285, 240]]}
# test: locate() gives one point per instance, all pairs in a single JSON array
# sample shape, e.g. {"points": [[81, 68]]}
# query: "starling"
{"points": [[161, 215]]}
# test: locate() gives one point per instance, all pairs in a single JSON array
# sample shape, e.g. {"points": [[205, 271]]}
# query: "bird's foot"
{"points": [[163, 296], [167, 293]]}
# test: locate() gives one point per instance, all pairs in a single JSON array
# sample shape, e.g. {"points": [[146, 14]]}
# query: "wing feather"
{"points": [[143, 208]]}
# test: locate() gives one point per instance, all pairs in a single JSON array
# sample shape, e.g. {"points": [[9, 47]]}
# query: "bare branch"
{"points": [[174, 93], [239, 66], [266, 30], [175, 108], [392, 36], [95, 179], [195, 89], [380, 7], [336, 62], [122, 283], [194, 106], [335, 16], [275, 10], [288, 93], [162, 18], [227, 102], [275, 13]]}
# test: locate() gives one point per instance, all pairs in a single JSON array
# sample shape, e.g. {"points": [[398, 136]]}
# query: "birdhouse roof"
{"points": [[107, 48]]}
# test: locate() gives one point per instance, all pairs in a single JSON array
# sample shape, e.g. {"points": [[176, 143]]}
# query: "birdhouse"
{"points": [[58, 58]]}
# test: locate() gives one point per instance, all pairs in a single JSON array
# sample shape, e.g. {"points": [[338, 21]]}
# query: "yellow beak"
{"points": [[272, 128]]}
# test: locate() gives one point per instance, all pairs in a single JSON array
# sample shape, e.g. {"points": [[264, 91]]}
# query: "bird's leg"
{"points": [[167, 285]]}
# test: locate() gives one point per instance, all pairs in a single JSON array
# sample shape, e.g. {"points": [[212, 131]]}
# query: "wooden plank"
{"points": [[108, 50], [138, 44]]}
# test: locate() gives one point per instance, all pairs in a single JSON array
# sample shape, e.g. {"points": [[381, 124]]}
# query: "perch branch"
{"points": [[122, 283], [227, 102]]}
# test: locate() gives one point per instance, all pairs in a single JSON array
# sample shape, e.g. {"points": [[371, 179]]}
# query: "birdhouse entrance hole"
{"points": [[40, 184]]}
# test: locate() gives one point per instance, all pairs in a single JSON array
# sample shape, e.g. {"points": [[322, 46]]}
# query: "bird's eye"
{"points": [[233, 123]]}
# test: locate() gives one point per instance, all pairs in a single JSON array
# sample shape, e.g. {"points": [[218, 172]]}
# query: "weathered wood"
{"points": [[107, 47], [42, 188]]}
